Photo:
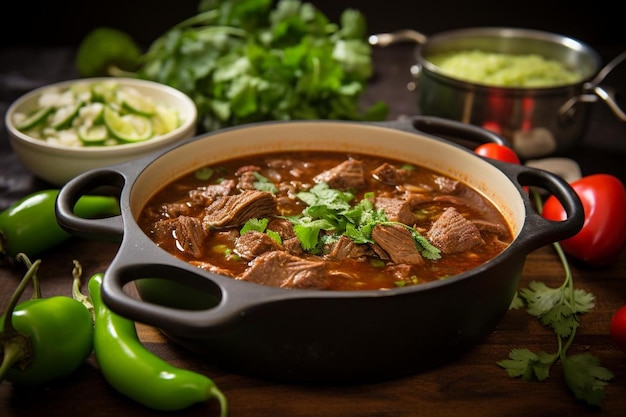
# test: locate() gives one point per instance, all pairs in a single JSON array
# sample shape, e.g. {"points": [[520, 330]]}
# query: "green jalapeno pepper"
{"points": [[136, 372], [29, 225], [43, 339]]}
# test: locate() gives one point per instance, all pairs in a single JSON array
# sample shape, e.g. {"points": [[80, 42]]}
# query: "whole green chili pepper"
{"points": [[43, 339], [30, 226], [136, 372]]}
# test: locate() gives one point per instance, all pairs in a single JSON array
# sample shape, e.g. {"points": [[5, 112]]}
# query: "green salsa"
{"points": [[506, 70]]}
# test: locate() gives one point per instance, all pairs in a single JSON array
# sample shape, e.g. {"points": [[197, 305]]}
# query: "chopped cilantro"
{"points": [[274, 235], [257, 225], [330, 210], [204, 173], [264, 184]]}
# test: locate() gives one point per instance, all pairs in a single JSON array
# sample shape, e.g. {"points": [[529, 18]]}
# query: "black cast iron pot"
{"points": [[310, 335]]}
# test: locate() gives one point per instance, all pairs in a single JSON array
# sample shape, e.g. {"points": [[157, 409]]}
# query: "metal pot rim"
{"points": [[508, 38]]}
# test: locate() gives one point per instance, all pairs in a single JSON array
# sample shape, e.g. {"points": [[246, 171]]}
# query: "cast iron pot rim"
{"points": [[518, 244]]}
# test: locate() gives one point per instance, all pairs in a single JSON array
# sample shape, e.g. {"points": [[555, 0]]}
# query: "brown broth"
{"points": [[348, 274]]}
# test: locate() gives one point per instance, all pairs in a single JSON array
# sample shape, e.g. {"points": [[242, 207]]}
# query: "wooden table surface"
{"points": [[473, 385]]}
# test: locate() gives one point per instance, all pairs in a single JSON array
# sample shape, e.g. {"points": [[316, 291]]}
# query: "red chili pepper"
{"points": [[603, 235]]}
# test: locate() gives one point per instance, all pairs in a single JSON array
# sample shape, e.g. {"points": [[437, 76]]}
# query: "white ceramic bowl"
{"points": [[57, 164]]}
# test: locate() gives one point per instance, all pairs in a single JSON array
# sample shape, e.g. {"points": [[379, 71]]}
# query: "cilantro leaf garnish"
{"points": [[257, 225], [329, 209], [559, 309], [260, 225], [264, 184]]}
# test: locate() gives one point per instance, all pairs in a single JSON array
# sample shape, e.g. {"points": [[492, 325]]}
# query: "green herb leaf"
{"points": [[204, 173], [586, 378], [257, 225], [329, 209], [528, 365], [264, 184], [244, 62], [559, 309]]}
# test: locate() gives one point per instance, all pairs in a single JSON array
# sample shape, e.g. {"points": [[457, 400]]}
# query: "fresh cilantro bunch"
{"points": [[247, 61], [559, 309]]}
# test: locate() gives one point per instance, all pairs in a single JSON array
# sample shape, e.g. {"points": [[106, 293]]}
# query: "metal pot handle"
{"points": [[404, 35], [595, 90], [458, 132]]}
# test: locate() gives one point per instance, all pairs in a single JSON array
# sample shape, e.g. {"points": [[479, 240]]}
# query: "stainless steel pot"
{"points": [[309, 335], [537, 121]]}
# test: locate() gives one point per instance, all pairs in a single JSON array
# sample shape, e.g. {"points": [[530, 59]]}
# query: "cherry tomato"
{"points": [[618, 328], [499, 152], [603, 235]]}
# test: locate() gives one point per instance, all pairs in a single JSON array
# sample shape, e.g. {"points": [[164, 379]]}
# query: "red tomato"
{"points": [[499, 152], [618, 328], [603, 235]]}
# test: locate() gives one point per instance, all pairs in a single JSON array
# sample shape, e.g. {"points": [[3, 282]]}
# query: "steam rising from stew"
{"points": [[325, 220]]}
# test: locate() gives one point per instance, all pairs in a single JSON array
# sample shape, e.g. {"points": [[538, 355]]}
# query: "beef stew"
{"points": [[325, 220]]}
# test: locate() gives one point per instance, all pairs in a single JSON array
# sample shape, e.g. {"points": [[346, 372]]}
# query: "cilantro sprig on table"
{"points": [[247, 61], [559, 309]]}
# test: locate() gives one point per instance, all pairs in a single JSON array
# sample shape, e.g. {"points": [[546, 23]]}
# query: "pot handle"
{"points": [[404, 35], [538, 231], [452, 130], [223, 300], [595, 91], [107, 228]]}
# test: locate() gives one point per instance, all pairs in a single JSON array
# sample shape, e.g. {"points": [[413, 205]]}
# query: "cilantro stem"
{"points": [[203, 18], [559, 309], [568, 284]]}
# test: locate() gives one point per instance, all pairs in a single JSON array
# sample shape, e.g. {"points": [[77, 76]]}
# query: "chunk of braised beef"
{"points": [[346, 248], [497, 229], [288, 203], [414, 200], [186, 230], [293, 246], [398, 243], [390, 174], [206, 195], [345, 176], [247, 168], [379, 252], [446, 185], [296, 167], [396, 209], [246, 181], [173, 210], [253, 243], [467, 198], [283, 227], [235, 210], [453, 233], [281, 269]]}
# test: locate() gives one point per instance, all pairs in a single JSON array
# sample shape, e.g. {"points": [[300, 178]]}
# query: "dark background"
{"points": [[65, 22]]}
